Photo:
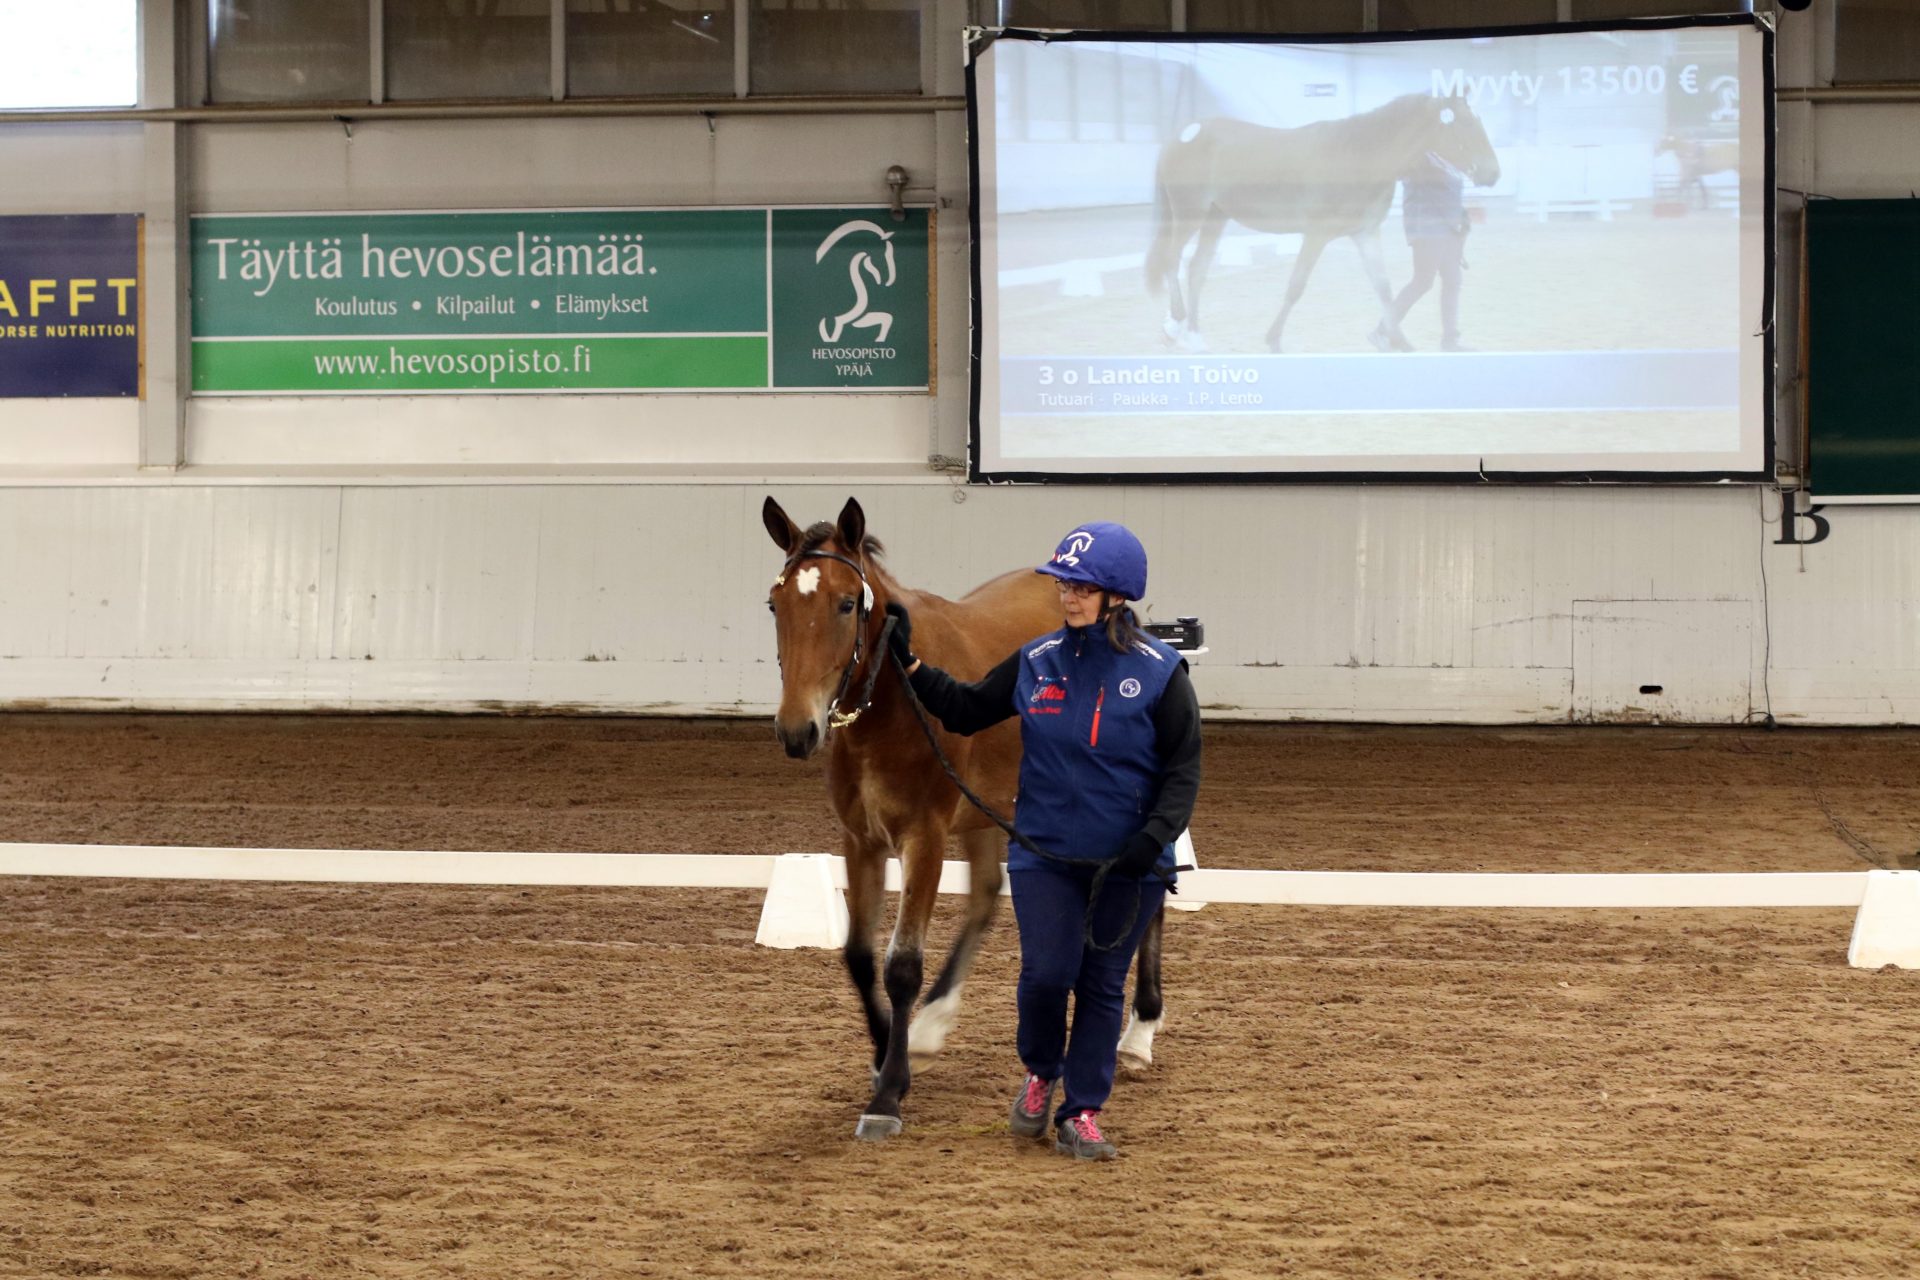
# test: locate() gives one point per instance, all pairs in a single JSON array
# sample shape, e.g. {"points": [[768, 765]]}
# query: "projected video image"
{"points": [[1537, 253]]}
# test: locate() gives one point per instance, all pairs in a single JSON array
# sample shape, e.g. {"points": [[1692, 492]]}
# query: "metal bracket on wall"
{"points": [[896, 191]]}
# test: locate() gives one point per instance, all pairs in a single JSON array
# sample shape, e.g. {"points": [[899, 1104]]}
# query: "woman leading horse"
{"points": [[1324, 181], [888, 790]]}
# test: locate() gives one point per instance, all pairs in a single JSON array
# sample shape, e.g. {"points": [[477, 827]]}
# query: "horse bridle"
{"points": [[836, 718]]}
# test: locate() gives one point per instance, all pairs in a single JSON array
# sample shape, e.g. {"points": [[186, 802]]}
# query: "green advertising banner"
{"points": [[594, 300]]}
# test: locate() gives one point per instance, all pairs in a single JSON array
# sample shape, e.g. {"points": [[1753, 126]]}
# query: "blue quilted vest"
{"points": [[1090, 769]]}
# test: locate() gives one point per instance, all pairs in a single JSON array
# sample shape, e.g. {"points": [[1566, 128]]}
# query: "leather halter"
{"points": [[837, 719]]}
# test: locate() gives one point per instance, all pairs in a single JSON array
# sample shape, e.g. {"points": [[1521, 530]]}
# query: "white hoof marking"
{"points": [[928, 1034], [1136, 1046], [1183, 335], [876, 1128]]}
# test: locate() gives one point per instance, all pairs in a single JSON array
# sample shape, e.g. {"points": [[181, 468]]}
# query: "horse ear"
{"points": [[785, 533], [853, 526]]}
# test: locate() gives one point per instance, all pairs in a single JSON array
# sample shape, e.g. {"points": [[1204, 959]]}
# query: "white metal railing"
{"points": [[804, 888]]}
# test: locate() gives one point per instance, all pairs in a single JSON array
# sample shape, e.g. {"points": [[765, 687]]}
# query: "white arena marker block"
{"points": [[802, 908], [1887, 930], [1184, 859]]}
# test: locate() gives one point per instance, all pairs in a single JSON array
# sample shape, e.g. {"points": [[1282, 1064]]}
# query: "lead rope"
{"points": [[1102, 868]]}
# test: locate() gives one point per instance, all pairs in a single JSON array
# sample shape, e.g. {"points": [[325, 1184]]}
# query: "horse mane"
{"points": [[1386, 117], [817, 535]]}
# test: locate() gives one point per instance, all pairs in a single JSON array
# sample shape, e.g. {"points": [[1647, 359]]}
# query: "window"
{"points": [[501, 50], [468, 49], [1090, 15], [626, 48], [1876, 42], [80, 53], [287, 51], [1600, 10], [1278, 16], [834, 46], [1445, 15]]}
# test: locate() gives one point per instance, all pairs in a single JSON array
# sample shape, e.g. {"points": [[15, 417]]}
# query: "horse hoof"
{"points": [[877, 1128], [1134, 1064], [919, 1061]]}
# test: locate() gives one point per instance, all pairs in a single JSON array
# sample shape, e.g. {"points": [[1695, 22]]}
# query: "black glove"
{"points": [[1138, 856], [900, 639]]}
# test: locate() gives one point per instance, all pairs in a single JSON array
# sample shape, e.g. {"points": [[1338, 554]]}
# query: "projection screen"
{"points": [[1538, 254]]}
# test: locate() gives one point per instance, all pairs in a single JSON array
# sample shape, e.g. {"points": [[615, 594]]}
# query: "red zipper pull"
{"points": [[1094, 739]]}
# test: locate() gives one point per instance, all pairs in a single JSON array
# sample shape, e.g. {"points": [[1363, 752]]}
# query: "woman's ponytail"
{"points": [[1123, 629]]}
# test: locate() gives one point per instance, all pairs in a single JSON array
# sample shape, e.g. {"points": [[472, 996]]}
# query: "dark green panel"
{"points": [[850, 299], [1863, 324]]}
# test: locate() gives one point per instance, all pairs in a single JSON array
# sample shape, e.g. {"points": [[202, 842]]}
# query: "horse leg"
{"points": [[1310, 247], [920, 854], [1136, 1046], [866, 894], [928, 1034], [1210, 229], [1368, 240], [1176, 324], [1181, 222]]}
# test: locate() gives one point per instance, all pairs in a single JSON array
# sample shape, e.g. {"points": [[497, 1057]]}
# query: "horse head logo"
{"points": [[1078, 543], [862, 267], [1460, 142], [1726, 91]]}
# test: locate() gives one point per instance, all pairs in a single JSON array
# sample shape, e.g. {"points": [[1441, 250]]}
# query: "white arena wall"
{"points": [[605, 553], [1428, 604]]}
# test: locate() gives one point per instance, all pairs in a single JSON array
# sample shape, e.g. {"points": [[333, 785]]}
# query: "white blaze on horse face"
{"points": [[807, 581]]}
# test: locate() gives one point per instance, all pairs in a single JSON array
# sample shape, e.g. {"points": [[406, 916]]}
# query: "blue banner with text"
{"points": [[70, 305]]}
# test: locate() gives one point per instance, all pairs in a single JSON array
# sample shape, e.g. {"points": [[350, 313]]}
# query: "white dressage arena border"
{"points": [[805, 904]]}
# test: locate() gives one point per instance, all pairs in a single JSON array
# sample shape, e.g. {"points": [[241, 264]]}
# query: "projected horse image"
{"points": [[1324, 181], [1700, 159]]}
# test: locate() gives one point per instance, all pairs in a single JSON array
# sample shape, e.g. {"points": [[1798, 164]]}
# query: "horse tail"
{"points": [[1163, 255]]}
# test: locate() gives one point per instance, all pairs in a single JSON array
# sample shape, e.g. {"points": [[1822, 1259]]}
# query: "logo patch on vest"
{"points": [[1129, 688], [1049, 696]]}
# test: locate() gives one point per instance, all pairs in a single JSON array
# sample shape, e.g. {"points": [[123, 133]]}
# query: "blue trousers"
{"points": [[1050, 903]]}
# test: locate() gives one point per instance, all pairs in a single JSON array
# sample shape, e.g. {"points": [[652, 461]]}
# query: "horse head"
{"points": [[822, 605], [1461, 140]]}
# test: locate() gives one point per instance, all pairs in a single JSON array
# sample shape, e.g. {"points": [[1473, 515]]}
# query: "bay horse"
{"points": [[1700, 158], [887, 788], [1325, 180]]}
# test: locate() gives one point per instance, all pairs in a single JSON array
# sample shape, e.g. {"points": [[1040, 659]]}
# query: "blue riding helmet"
{"points": [[1103, 554]]}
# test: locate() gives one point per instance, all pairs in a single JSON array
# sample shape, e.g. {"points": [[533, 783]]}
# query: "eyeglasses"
{"points": [[1079, 590]]}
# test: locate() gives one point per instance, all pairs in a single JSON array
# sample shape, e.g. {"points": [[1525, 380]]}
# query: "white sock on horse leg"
{"points": [[928, 1033], [1136, 1045]]}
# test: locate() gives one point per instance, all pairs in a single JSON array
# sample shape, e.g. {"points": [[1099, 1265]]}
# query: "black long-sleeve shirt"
{"points": [[967, 708]]}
